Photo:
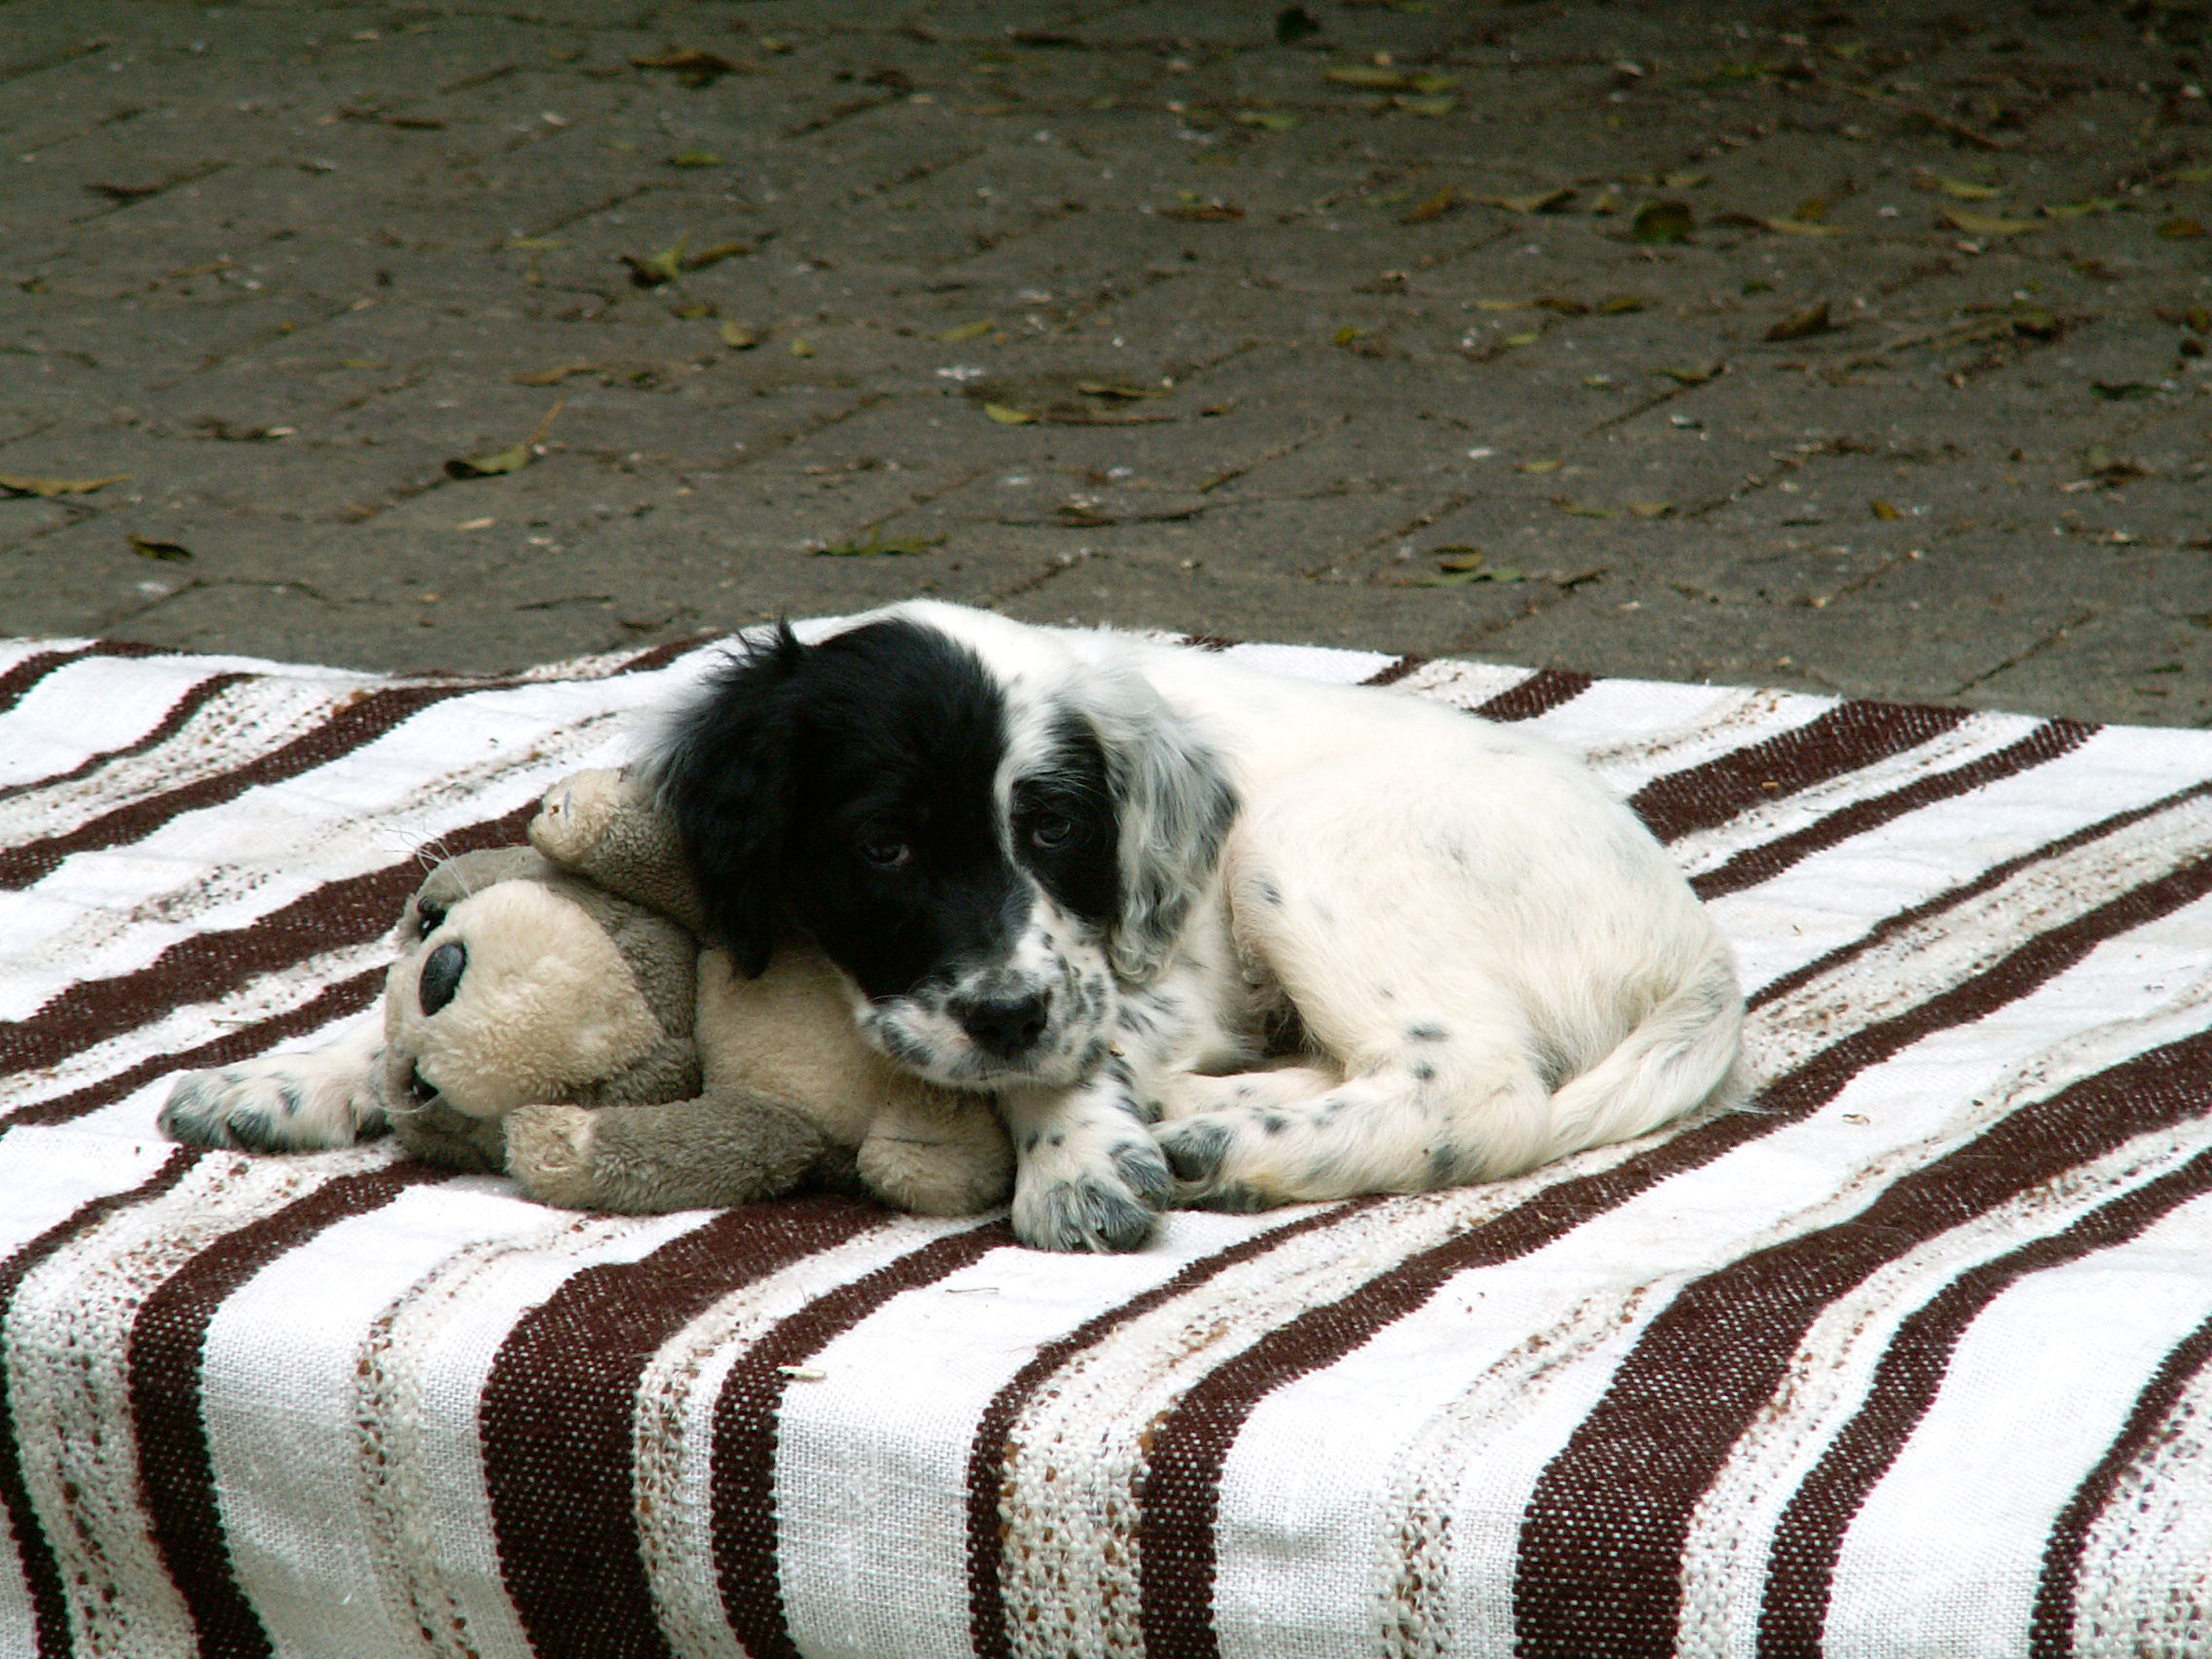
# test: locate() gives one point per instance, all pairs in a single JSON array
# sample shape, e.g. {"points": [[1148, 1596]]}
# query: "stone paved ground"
{"points": [[1129, 310]]}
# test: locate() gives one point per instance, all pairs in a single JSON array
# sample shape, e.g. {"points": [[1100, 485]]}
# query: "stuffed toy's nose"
{"points": [[441, 976]]}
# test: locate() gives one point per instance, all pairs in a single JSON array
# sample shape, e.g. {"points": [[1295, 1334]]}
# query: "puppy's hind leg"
{"points": [[1397, 1128], [297, 1103]]}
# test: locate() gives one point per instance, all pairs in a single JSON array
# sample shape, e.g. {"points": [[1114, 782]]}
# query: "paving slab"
{"points": [[1854, 349]]}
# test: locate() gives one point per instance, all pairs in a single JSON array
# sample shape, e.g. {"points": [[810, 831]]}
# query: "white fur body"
{"points": [[1491, 961]]}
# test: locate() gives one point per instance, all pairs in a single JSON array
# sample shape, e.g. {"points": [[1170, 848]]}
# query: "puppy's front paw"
{"points": [[278, 1103], [1112, 1205], [1202, 1150]]}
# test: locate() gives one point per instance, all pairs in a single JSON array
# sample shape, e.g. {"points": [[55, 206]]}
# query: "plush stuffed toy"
{"points": [[555, 1014]]}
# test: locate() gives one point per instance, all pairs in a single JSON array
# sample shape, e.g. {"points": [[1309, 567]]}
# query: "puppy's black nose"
{"points": [[1005, 1025], [441, 976]]}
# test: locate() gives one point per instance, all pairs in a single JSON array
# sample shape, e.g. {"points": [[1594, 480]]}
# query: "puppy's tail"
{"points": [[1686, 1053]]}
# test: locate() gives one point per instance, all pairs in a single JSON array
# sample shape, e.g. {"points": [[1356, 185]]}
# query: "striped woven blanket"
{"points": [[1908, 1359]]}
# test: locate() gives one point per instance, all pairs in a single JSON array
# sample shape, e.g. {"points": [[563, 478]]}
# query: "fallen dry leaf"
{"points": [[1693, 376], [739, 339], [1797, 325], [1583, 509], [694, 67], [2085, 209], [1007, 416], [1361, 75], [1523, 339], [1792, 227], [1963, 190], [169, 552], [1884, 511], [2182, 230], [1650, 509], [1431, 107], [879, 545], [694, 158], [1203, 212], [507, 460], [1432, 207], [801, 349], [556, 374], [1659, 222], [18, 484], [1542, 202], [966, 331], [714, 253], [1111, 388], [656, 268], [1266, 120], [1537, 465], [1985, 224]]}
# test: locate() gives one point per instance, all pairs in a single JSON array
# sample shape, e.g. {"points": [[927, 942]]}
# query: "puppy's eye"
{"points": [[1049, 830], [887, 855]]}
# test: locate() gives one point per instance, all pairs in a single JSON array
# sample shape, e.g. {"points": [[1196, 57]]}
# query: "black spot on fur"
{"points": [[1195, 1150], [1423, 1072], [1425, 1033], [1274, 1122]]}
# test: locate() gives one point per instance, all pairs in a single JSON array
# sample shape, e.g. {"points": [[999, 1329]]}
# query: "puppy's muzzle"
{"points": [[1007, 1027]]}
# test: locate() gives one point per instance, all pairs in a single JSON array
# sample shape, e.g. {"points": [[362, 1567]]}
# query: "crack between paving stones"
{"points": [[2033, 649]]}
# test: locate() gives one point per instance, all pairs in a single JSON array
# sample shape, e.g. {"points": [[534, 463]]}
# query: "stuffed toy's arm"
{"points": [[607, 828], [684, 1155]]}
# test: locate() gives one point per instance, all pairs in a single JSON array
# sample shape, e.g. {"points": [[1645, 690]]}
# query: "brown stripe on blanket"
{"points": [[745, 1569], [1847, 737], [556, 1414], [1755, 864], [1996, 876], [1704, 1368], [49, 1610], [191, 703], [350, 726], [332, 1002], [1538, 694], [1391, 673], [16, 682], [987, 1450], [2092, 1116], [208, 965], [1181, 1488], [2050, 1627], [168, 1346]]}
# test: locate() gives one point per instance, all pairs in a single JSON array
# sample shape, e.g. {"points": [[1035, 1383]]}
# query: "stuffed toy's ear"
{"points": [[724, 772]]}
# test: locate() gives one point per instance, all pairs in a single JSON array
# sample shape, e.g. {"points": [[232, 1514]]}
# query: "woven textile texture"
{"points": [[1908, 1359]]}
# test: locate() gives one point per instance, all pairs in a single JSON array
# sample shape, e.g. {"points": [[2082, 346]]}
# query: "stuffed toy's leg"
{"points": [[649, 1160], [296, 1102]]}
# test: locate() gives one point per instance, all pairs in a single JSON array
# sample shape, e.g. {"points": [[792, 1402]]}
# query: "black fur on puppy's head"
{"points": [[957, 859]]}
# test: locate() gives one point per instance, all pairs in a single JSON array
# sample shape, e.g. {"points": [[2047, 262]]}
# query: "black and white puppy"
{"points": [[1203, 932]]}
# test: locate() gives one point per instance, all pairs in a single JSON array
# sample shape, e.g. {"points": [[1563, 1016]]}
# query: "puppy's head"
{"points": [[956, 836]]}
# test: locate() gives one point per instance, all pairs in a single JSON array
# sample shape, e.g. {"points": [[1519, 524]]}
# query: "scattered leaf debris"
{"points": [[1542, 201], [738, 338], [966, 331], [1006, 415], [1887, 513], [168, 552], [1214, 212], [555, 375]]}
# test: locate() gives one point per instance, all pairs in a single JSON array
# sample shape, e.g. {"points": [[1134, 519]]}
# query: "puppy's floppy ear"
{"points": [[724, 772], [1174, 803]]}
